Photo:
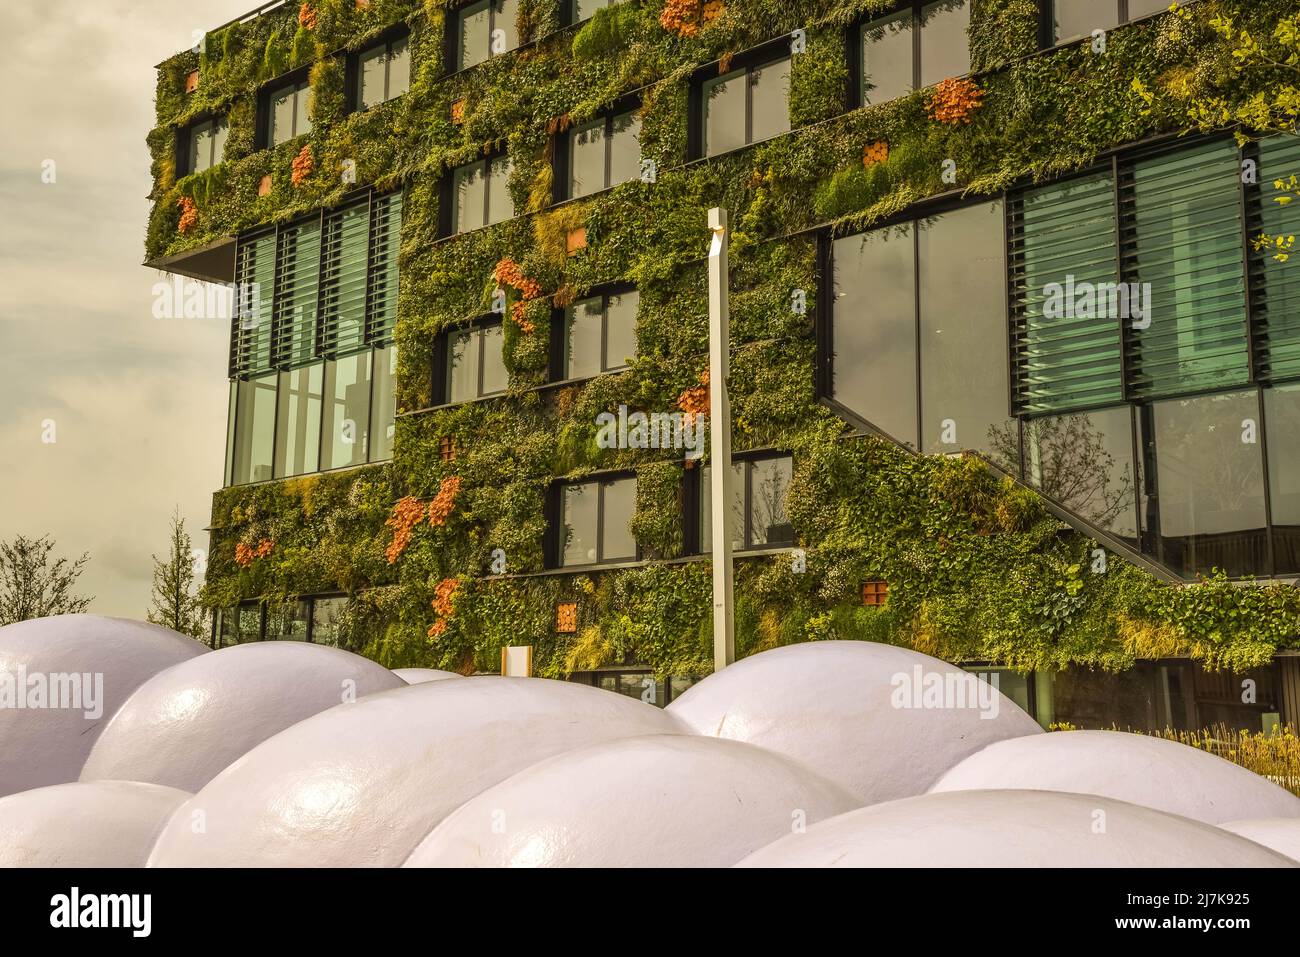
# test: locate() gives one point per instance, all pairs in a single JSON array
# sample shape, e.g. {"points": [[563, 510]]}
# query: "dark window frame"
{"points": [[756, 58], [354, 87], [855, 94], [559, 344], [556, 521], [1047, 22], [441, 389], [562, 149], [453, 54], [700, 496], [300, 81], [185, 138], [447, 225]]}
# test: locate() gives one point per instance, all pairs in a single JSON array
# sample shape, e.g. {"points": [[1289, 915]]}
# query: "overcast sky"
{"points": [[138, 404]]}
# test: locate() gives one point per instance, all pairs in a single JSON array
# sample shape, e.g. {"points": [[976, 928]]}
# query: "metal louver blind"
{"points": [[1065, 357], [343, 278], [250, 337], [297, 282], [385, 242], [1182, 233], [1277, 284]]}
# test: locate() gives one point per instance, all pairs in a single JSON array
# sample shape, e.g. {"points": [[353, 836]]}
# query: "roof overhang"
{"points": [[214, 262]]}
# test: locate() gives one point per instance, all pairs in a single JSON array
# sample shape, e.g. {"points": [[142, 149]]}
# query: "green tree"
{"points": [[34, 586], [175, 599]]}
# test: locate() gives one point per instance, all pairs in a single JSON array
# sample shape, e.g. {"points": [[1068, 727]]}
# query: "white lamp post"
{"points": [[724, 633]]}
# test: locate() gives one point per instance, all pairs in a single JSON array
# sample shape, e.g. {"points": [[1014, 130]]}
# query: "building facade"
{"points": [[1012, 380]]}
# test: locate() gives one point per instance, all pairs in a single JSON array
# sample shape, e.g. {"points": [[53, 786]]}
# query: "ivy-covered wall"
{"points": [[978, 569]]}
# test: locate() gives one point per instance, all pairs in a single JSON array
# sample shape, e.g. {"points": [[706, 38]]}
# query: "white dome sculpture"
{"points": [[419, 676], [85, 824], [1138, 768], [361, 784], [1282, 834], [664, 800], [1013, 829], [858, 712], [183, 726], [90, 662]]}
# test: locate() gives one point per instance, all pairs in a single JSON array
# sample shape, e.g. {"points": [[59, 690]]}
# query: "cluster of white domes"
{"points": [[820, 754]]}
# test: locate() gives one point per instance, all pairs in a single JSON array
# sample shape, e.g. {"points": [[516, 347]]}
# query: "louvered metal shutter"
{"points": [[296, 288], [250, 337], [1182, 232], [1063, 234], [343, 278], [1277, 283], [385, 240]]}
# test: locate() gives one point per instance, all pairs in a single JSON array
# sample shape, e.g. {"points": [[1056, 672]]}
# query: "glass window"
{"points": [[475, 365], [945, 49], [1145, 8], [758, 506], [965, 397], [724, 113], [246, 624], [1278, 310], [769, 104], [288, 622], [1084, 461], [297, 427], [231, 405], [1282, 413], [604, 153], [586, 9], [874, 332], [1205, 495], [383, 73], [207, 145], [596, 522], [481, 194], [327, 621], [347, 412], [745, 106], [254, 429], [486, 29], [1078, 18], [289, 117], [1011, 683], [887, 71], [601, 334], [383, 412]]}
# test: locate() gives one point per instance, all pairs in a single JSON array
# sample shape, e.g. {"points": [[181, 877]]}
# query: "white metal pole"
{"points": [[724, 634]]}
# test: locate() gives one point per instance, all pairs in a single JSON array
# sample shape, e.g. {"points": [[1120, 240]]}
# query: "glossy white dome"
{"points": [[834, 706], [184, 725], [40, 746], [95, 824], [655, 801], [362, 784], [1138, 768], [419, 676], [1282, 834], [1013, 829]]}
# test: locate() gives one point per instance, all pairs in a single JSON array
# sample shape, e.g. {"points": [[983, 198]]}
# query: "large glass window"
{"points": [[207, 145], [288, 113], [745, 106], [288, 622], [1282, 413], [327, 621], [600, 334], [874, 334], [580, 10], [297, 425], [604, 153], [383, 73], [485, 29], [383, 410], [480, 195], [965, 396], [1072, 19], [475, 367], [893, 63], [596, 522], [758, 507], [1204, 497], [347, 410], [1084, 461], [254, 429]]}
